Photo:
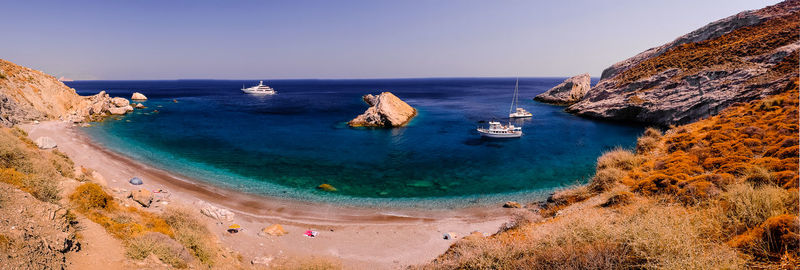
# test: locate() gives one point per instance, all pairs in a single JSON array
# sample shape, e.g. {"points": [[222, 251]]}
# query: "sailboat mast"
{"points": [[514, 97]]}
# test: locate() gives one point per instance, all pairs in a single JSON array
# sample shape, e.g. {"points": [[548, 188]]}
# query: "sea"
{"points": [[286, 145]]}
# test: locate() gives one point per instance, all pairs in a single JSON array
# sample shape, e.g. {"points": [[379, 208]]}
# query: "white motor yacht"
{"points": [[497, 130], [261, 88]]}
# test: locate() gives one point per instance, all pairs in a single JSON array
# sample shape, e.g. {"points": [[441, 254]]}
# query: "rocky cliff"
{"points": [[386, 110], [744, 57], [27, 95], [568, 92]]}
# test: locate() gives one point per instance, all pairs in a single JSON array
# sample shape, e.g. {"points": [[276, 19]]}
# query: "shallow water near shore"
{"points": [[287, 144]]}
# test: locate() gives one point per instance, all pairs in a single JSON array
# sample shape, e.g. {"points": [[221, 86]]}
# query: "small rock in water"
{"points": [[421, 184], [511, 204], [326, 187], [45, 143], [138, 96]]}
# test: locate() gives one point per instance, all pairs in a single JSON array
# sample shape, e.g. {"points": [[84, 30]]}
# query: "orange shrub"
{"points": [[772, 239]]}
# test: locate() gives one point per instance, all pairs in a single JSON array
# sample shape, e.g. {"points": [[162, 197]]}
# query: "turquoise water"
{"points": [[286, 145]]}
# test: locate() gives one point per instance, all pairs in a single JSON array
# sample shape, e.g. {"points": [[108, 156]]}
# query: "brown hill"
{"points": [[737, 59], [27, 95]]}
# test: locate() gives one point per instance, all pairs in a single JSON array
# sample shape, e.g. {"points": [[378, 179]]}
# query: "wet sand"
{"points": [[360, 237]]}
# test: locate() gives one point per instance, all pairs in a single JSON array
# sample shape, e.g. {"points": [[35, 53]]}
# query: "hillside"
{"points": [[27, 95], [741, 58], [720, 193]]}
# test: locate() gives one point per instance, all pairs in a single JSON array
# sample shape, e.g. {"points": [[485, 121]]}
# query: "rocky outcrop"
{"points": [[138, 96], [570, 91], [27, 95], [386, 110], [740, 58]]}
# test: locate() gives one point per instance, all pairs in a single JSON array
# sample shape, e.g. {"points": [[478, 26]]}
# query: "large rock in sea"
{"points": [[386, 110], [570, 91], [138, 96], [744, 57]]}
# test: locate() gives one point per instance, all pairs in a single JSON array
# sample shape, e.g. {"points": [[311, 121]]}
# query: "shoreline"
{"points": [[410, 236]]}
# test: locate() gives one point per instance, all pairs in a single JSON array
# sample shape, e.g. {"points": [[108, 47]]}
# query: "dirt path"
{"points": [[99, 250]]}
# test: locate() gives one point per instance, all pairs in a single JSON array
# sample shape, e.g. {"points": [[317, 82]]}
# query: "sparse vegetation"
{"points": [[720, 193], [27, 168]]}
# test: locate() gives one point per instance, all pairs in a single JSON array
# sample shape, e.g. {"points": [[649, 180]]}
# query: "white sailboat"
{"points": [[516, 112]]}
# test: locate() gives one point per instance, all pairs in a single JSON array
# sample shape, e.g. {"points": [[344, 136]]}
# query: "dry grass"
{"points": [[166, 249], [30, 169], [192, 234], [746, 207], [618, 158], [716, 194], [650, 236]]}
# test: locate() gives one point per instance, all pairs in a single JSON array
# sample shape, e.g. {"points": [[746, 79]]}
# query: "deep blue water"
{"points": [[289, 143]]}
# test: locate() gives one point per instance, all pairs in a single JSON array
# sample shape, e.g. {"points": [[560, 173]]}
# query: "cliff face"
{"points": [[27, 95], [568, 92], [737, 59]]}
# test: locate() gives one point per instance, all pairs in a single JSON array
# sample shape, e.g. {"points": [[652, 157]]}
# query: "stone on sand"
{"points": [[45, 143], [512, 204], [142, 196], [98, 178], [274, 230], [214, 212]]}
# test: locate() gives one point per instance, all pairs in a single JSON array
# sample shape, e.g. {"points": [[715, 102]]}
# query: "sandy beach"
{"points": [[361, 238]]}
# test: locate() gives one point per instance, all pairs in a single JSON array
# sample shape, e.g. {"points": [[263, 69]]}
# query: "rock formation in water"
{"points": [[386, 110], [27, 95], [138, 96], [740, 58], [568, 92]]}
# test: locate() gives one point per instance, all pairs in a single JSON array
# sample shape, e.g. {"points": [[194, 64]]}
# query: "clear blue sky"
{"points": [[342, 39]]}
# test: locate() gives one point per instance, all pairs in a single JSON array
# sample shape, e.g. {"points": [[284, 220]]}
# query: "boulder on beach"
{"points": [[512, 204], [386, 110], [215, 212], [142, 196], [136, 181], [99, 179], [273, 230], [138, 96], [45, 143], [568, 92]]}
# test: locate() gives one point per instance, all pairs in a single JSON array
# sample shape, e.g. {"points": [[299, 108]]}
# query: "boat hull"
{"points": [[259, 92], [486, 134], [514, 115]]}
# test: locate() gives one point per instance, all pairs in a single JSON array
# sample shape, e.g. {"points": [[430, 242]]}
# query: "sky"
{"points": [[138, 40]]}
